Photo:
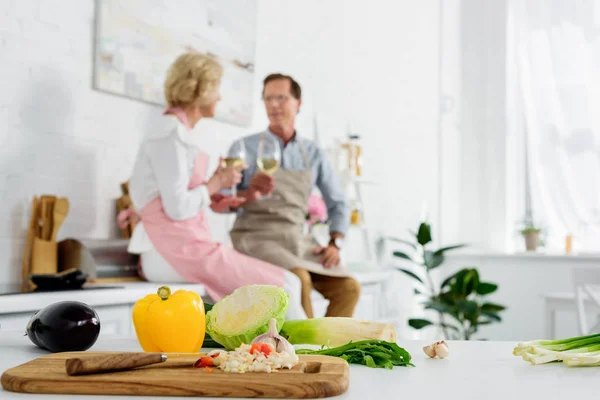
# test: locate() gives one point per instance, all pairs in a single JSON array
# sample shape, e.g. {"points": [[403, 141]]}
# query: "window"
{"points": [[555, 50]]}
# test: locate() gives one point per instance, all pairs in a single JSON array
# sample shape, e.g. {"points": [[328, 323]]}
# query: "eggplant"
{"points": [[64, 326]]}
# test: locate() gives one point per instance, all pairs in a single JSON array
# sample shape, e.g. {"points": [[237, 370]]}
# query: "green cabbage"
{"points": [[244, 314]]}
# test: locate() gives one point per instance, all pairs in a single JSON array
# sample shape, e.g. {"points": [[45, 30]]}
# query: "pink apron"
{"points": [[188, 246]]}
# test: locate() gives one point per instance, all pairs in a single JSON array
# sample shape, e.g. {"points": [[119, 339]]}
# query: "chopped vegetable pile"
{"points": [[257, 357], [581, 351], [372, 353]]}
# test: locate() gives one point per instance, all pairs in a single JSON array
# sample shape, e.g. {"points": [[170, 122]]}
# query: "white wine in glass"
{"points": [[268, 157], [268, 165], [232, 162], [236, 156]]}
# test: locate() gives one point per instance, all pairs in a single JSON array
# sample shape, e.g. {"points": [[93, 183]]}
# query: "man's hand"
{"points": [[330, 256], [262, 184], [220, 203]]}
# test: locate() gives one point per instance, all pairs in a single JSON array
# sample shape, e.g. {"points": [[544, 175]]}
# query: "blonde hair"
{"points": [[192, 79]]}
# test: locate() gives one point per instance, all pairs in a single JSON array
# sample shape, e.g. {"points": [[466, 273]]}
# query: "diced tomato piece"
{"points": [[261, 348], [265, 349], [204, 362], [255, 348]]}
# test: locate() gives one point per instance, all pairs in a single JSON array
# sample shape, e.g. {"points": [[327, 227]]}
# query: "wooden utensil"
{"points": [[314, 377], [31, 233], [47, 215], [61, 209], [43, 213]]}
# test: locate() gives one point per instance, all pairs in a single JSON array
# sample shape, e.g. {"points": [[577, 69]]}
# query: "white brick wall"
{"points": [[59, 136]]}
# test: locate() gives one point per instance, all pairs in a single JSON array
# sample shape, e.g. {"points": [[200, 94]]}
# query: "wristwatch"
{"points": [[337, 242]]}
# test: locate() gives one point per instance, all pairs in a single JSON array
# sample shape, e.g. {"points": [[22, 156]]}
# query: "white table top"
{"points": [[474, 370]]}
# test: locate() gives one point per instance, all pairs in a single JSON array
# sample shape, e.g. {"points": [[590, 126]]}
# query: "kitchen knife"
{"points": [[118, 362]]}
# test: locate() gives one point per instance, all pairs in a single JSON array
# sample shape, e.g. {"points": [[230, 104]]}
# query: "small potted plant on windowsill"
{"points": [[532, 233]]}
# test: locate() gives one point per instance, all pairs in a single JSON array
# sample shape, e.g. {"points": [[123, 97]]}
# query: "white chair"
{"points": [[587, 284]]}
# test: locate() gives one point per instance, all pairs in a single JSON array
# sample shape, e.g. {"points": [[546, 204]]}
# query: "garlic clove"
{"points": [[437, 349], [430, 351], [441, 349]]}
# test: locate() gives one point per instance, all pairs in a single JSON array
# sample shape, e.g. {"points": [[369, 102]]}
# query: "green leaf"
{"points": [[470, 281], [448, 326], [485, 322], [411, 274], [419, 323], [447, 281], [417, 291], [443, 249], [400, 254], [486, 288], [411, 244], [432, 260], [467, 307], [438, 306], [457, 285], [369, 361], [424, 234], [491, 315], [491, 307]]}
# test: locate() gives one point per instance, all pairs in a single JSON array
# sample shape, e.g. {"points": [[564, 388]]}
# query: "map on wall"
{"points": [[137, 40]]}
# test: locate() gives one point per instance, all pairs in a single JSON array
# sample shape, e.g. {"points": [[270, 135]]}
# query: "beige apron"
{"points": [[272, 228]]}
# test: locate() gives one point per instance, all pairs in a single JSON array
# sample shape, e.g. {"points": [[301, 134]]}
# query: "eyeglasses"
{"points": [[279, 99]]}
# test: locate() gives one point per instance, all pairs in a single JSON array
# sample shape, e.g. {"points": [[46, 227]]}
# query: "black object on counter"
{"points": [[64, 326], [66, 280]]}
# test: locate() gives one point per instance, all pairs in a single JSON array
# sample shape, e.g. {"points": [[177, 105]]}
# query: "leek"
{"points": [[580, 351], [335, 331]]}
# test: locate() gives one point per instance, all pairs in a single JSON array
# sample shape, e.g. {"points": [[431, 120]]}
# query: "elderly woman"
{"points": [[169, 189]]}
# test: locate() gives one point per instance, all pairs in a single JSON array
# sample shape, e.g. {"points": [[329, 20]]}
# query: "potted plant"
{"points": [[459, 300], [532, 234]]}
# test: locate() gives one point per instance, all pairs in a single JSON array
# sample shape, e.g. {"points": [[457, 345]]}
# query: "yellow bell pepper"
{"points": [[166, 322]]}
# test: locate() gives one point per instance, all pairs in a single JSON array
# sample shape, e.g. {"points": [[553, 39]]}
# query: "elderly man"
{"points": [[269, 225]]}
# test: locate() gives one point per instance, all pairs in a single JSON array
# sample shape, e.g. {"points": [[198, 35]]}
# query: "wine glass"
{"points": [[268, 156], [235, 156]]}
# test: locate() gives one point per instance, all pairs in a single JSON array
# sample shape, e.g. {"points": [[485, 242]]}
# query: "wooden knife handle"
{"points": [[112, 362]]}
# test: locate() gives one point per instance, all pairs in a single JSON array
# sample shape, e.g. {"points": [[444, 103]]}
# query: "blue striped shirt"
{"points": [[323, 175]]}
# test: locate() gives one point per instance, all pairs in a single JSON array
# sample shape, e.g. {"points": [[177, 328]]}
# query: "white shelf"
{"points": [[360, 227], [364, 181]]}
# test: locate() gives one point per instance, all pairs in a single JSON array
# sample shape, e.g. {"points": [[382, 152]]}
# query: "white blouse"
{"points": [[163, 167]]}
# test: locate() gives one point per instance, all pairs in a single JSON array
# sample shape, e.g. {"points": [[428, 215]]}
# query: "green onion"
{"points": [[573, 352], [372, 353]]}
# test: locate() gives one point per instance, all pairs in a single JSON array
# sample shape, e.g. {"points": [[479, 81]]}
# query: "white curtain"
{"points": [[557, 57]]}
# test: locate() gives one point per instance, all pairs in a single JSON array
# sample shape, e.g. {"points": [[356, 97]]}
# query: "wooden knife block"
{"points": [[44, 257], [40, 256]]}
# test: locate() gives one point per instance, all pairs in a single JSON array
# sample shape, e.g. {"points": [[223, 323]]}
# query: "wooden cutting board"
{"points": [[313, 377]]}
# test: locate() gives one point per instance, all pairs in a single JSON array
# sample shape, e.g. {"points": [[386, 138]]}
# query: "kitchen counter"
{"points": [[94, 295], [112, 302], [474, 370]]}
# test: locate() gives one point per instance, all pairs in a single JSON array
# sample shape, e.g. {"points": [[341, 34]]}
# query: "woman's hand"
{"points": [[225, 177], [220, 203]]}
